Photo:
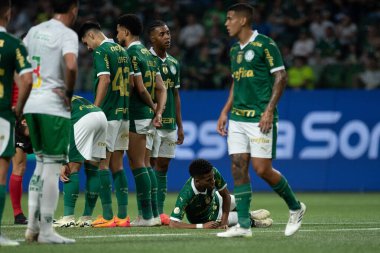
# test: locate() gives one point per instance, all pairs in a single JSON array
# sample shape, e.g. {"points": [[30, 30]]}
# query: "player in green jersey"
{"points": [[207, 202], [143, 118], [113, 78], [167, 137], [88, 146], [13, 59], [259, 79]]}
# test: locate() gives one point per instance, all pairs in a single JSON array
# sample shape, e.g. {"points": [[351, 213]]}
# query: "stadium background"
{"points": [[329, 133]]}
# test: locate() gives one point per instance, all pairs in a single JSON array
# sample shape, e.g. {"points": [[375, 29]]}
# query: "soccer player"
{"points": [[146, 72], [53, 50], [112, 85], [166, 138], [87, 144], [13, 59], [207, 202], [259, 78]]}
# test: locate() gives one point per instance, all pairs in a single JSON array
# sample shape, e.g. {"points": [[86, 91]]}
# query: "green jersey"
{"points": [[13, 58], [80, 107], [111, 59], [199, 207], [252, 66], [169, 69], [143, 64]]}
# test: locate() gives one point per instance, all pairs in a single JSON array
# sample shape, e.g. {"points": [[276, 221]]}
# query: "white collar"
{"points": [[253, 37], [107, 40], [155, 54], [134, 43], [195, 189], [2, 29]]}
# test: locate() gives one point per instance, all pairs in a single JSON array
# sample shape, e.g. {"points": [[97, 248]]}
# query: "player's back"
{"points": [[12, 58], [47, 43], [116, 101]]}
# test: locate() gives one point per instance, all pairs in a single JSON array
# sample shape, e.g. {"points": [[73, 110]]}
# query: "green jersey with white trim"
{"points": [[13, 58], [143, 64], [199, 207], [80, 107], [169, 69], [252, 66], [112, 59]]}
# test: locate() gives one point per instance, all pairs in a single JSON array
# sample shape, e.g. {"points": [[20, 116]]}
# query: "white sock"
{"points": [[232, 218], [33, 196], [49, 194]]}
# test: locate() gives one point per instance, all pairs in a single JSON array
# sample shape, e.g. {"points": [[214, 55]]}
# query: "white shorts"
{"points": [[90, 137], [232, 206], [117, 135], [246, 137], [5, 136], [164, 143], [144, 126]]}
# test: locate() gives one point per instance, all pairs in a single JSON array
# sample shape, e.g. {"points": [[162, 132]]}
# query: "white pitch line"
{"points": [[190, 234]]}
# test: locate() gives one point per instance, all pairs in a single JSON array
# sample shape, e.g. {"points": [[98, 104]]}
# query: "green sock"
{"points": [[105, 193], [121, 189], [153, 181], [161, 189], [2, 201], [243, 195], [143, 190], [92, 188], [70, 194], [283, 189]]}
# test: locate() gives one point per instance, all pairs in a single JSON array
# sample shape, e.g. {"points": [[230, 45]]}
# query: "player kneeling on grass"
{"points": [[87, 144], [207, 202]]}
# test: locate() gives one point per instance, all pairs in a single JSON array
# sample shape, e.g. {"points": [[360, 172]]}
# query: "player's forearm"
{"points": [[142, 91], [278, 89], [227, 107], [178, 224], [101, 91], [161, 95], [71, 71], [225, 208], [25, 87], [178, 109]]}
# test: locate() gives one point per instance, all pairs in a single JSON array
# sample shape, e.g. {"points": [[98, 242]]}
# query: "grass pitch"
{"points": [[334, 222]]}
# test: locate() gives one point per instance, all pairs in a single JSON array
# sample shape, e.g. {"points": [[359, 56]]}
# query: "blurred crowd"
{"points": [[324, 43]]}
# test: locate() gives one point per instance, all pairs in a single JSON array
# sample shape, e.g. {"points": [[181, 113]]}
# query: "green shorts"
{"points": [[7, 138], [50, 135]]}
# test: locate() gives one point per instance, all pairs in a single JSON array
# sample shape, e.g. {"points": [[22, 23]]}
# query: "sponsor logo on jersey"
{"points": [[248, 56], [173, 70]]}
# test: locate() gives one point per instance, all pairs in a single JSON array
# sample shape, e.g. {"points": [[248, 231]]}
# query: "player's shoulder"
{"points": [[172, 59], [263, 40], [13, 40], [235, 47]]}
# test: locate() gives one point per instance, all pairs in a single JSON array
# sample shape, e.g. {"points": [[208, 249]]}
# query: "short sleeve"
{"points": [[22, 62], [182, 202], [101, 63], [135, 65], [220, 183], [177, 78], [70, 43], [273, 57]]}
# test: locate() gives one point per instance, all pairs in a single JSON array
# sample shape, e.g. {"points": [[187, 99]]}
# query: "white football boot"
{"points": [[236, 231], [295, 220], [65, 222]]}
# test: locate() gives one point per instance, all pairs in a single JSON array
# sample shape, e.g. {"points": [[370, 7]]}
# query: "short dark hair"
{"points": [[200, 167], [246, 9], [155, 24], [63, 6], [4, 6], [86, 26], [132, 22]]}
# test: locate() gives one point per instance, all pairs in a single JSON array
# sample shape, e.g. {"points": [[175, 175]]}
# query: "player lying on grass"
{"points": [[207, 202]]}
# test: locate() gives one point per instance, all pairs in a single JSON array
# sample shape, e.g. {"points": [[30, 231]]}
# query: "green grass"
{"points": [[334, 222]]}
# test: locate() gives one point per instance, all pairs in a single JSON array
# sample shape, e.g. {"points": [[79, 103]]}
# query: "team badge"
{"points": [[173, 70], [176, 210], [207, 200], [165, 70], [248, 56], [239, 58]]}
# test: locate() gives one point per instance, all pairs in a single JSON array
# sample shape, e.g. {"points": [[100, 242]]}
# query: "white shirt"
{"points": [[47, 43]]}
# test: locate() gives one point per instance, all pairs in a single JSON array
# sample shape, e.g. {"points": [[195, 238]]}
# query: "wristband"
{"points": [[199, 226], [69, 93]]}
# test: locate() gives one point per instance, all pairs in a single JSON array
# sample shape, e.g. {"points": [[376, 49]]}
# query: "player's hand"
{"points": [[221, 126], [65, 172], [66, 100], [211, 225], [181, 136], [157, 121], [266, 122]]}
